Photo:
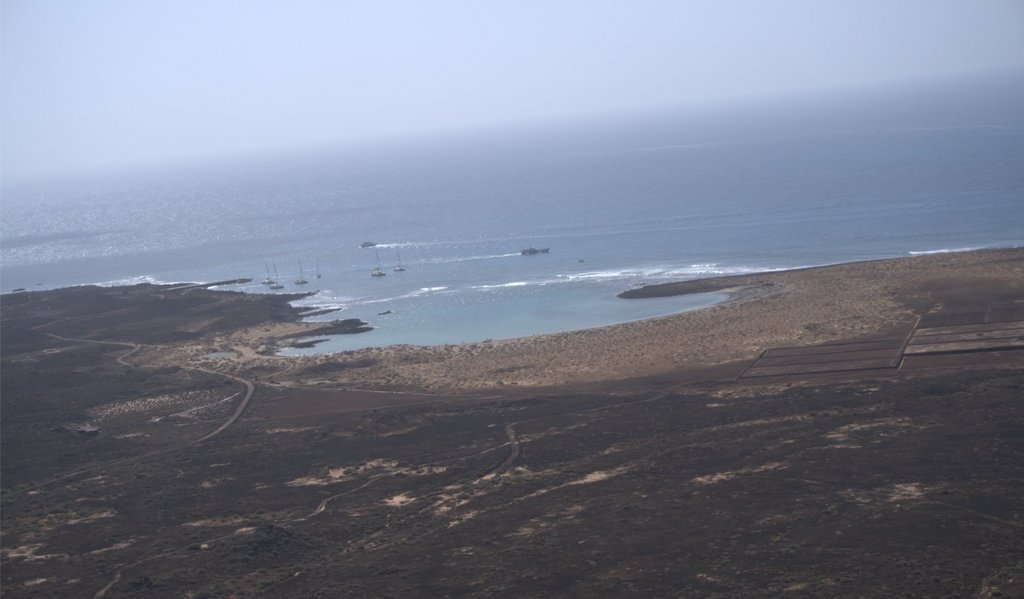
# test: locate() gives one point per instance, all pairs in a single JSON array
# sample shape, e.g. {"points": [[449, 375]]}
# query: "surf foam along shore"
{"points": [[502, 305], [784, 308], [475, 317], [572, 301], [771, 309]]}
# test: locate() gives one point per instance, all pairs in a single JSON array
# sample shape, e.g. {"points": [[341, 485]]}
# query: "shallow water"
{"points": [[477, 317]]}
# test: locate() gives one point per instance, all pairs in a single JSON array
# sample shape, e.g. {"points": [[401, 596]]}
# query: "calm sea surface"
{"points": [[646, 201]]}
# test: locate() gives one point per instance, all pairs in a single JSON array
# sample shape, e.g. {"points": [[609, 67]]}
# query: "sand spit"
{"points": [[798, 307], [765, 310]]}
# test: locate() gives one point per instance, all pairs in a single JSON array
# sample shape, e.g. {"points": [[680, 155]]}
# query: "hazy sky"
{"points": [[92, 84]]}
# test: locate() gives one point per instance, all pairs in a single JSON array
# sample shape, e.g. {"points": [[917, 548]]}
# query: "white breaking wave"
{"points": [[943, 251], [504, 285], [419, 292], [322, 299], [318, 306], [326, 299], [601, 275], [682, 272], [636, 275], [129, 281], [705, 270]]}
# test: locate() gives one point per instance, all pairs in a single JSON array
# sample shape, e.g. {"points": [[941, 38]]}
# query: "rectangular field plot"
{"points": [[870, 354], [934, 335], [968, 337]]}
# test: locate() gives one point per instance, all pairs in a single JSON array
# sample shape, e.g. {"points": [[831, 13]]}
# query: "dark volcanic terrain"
{"points": [[135, 468]]}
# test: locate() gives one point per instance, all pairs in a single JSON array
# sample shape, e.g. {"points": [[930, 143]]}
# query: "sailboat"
{"points": [[318, 269], [377, 272], [399, 268], [275, 284], [268, 280], [302, 277]]}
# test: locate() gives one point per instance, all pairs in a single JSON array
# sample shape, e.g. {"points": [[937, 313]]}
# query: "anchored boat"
{"points": [[378, 272]]}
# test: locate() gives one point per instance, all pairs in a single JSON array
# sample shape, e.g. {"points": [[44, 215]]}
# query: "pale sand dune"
{"points": [[775, 309]]}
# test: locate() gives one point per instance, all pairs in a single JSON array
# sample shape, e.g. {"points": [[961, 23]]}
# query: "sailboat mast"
{"points": [[273, 282], [377, 272], [302, 276]]}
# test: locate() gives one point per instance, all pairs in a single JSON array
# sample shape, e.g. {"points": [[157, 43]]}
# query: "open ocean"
{"points": [[619, 203]]}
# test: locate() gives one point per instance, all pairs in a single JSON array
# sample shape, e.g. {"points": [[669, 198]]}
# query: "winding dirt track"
{"points": [[512, 442], [250, 390]]}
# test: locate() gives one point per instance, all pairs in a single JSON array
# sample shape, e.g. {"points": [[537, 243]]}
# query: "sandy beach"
{"points": [[798, 307]]}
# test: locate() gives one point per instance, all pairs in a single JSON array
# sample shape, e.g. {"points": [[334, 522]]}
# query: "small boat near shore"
{"points": [[399, 268], [368, 244], [273, 283], [302, 276], [378, 272], [532, 251]]}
